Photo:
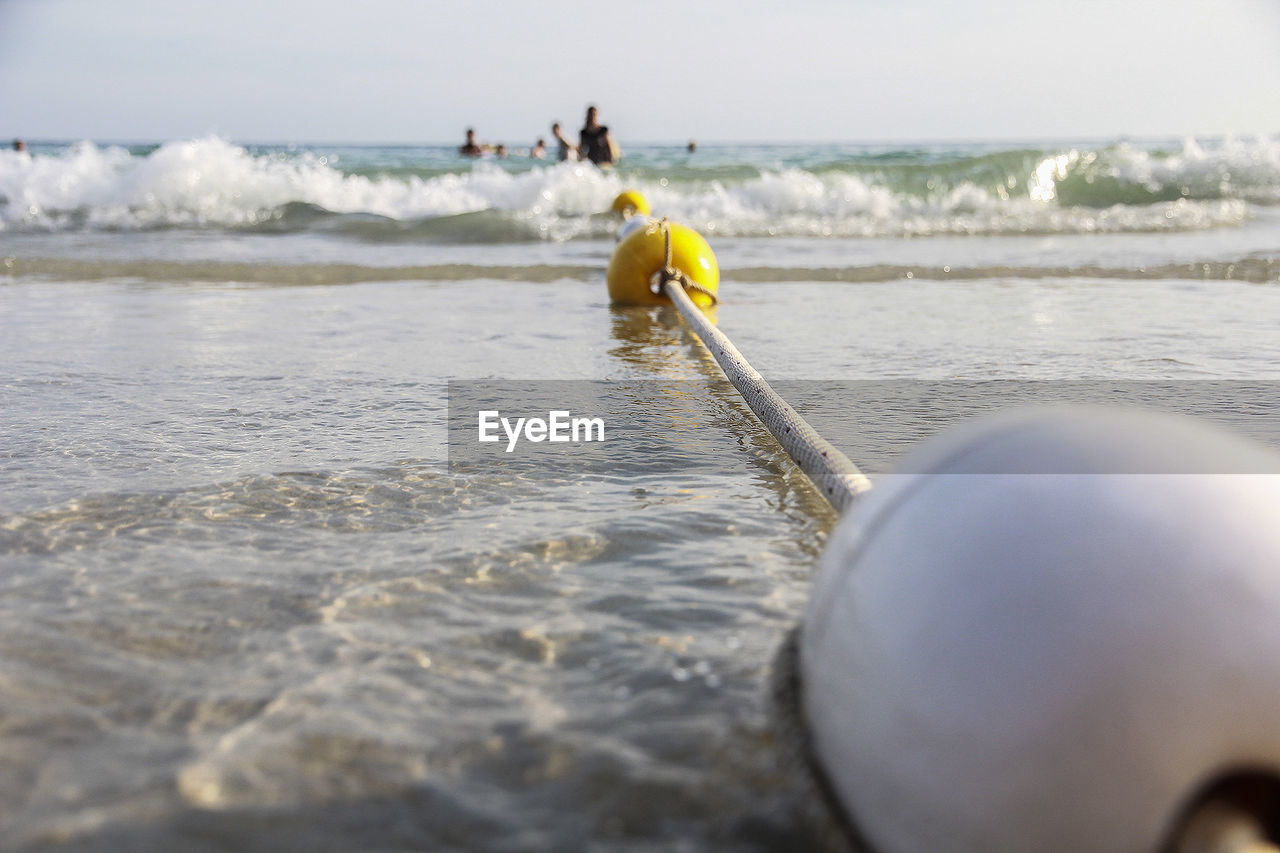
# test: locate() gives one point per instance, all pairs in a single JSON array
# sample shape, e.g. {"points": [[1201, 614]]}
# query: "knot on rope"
{"points": [[671, 273]]}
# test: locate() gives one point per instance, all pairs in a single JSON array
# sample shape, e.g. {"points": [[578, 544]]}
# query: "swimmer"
{"points": [[568, 151], [595, 143], [470, 148]]}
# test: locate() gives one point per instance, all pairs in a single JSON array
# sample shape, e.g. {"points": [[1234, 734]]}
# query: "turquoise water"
{"points": [[245, 603]]}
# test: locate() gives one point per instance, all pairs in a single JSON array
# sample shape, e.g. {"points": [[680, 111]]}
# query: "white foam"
{"points": [[799, 203], [210, 182], [1232, 168]]}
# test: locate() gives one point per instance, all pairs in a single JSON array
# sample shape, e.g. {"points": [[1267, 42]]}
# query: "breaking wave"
{"points": [[427, 195]]}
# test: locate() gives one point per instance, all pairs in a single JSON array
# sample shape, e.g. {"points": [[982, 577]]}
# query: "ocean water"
{"points": [[245, 602]]}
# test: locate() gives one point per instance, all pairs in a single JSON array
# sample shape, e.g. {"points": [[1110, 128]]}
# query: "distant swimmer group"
{"points": [[595, 144]]}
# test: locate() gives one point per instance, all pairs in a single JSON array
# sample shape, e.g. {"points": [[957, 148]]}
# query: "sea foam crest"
{"points": [[799, 203], [210, 182], [1247, 169]]}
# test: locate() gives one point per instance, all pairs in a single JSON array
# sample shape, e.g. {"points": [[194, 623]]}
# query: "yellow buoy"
{"points": [[631, 202], [643, 254]]}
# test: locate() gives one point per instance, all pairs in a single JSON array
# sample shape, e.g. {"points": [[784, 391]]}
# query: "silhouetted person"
{"points": [[568, 151], [595, 143], [470, 148]]}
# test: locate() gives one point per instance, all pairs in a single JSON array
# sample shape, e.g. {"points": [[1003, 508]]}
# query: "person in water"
{"points": [[568, 151], [539, 151], [595, 143], [470, 148]]}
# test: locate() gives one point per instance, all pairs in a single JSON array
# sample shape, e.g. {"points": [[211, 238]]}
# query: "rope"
{"points": [[670, 273], [831, 471]]}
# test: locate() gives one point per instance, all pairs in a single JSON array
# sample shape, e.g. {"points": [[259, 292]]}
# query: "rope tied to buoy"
{"points": [[670, 273], [837, 478], [682, 270]]}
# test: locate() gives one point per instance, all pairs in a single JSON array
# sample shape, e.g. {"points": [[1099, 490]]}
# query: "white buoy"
{"points": [[1050, 634], [632, 225]]}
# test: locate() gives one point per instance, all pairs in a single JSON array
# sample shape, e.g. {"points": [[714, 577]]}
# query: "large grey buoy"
{"points": [[1051, 634]]}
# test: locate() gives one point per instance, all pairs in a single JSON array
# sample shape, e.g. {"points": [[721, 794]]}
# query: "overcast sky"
{"points": [[727, 70]]}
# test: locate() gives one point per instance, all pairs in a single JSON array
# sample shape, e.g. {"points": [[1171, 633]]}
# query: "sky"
{"points": [[420, 71]]}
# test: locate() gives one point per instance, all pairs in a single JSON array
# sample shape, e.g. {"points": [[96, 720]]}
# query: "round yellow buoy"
{"points": [[631, 202], [643, 254]]}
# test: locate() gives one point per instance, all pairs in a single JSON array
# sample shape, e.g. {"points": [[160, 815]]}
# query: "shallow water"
{"points": [[246, 604]]}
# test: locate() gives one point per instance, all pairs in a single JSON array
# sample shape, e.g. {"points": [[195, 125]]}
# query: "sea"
{"points": [[256, 595]]}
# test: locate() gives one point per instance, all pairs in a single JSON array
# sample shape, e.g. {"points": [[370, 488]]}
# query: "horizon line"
{"points": [[662, 143]]}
